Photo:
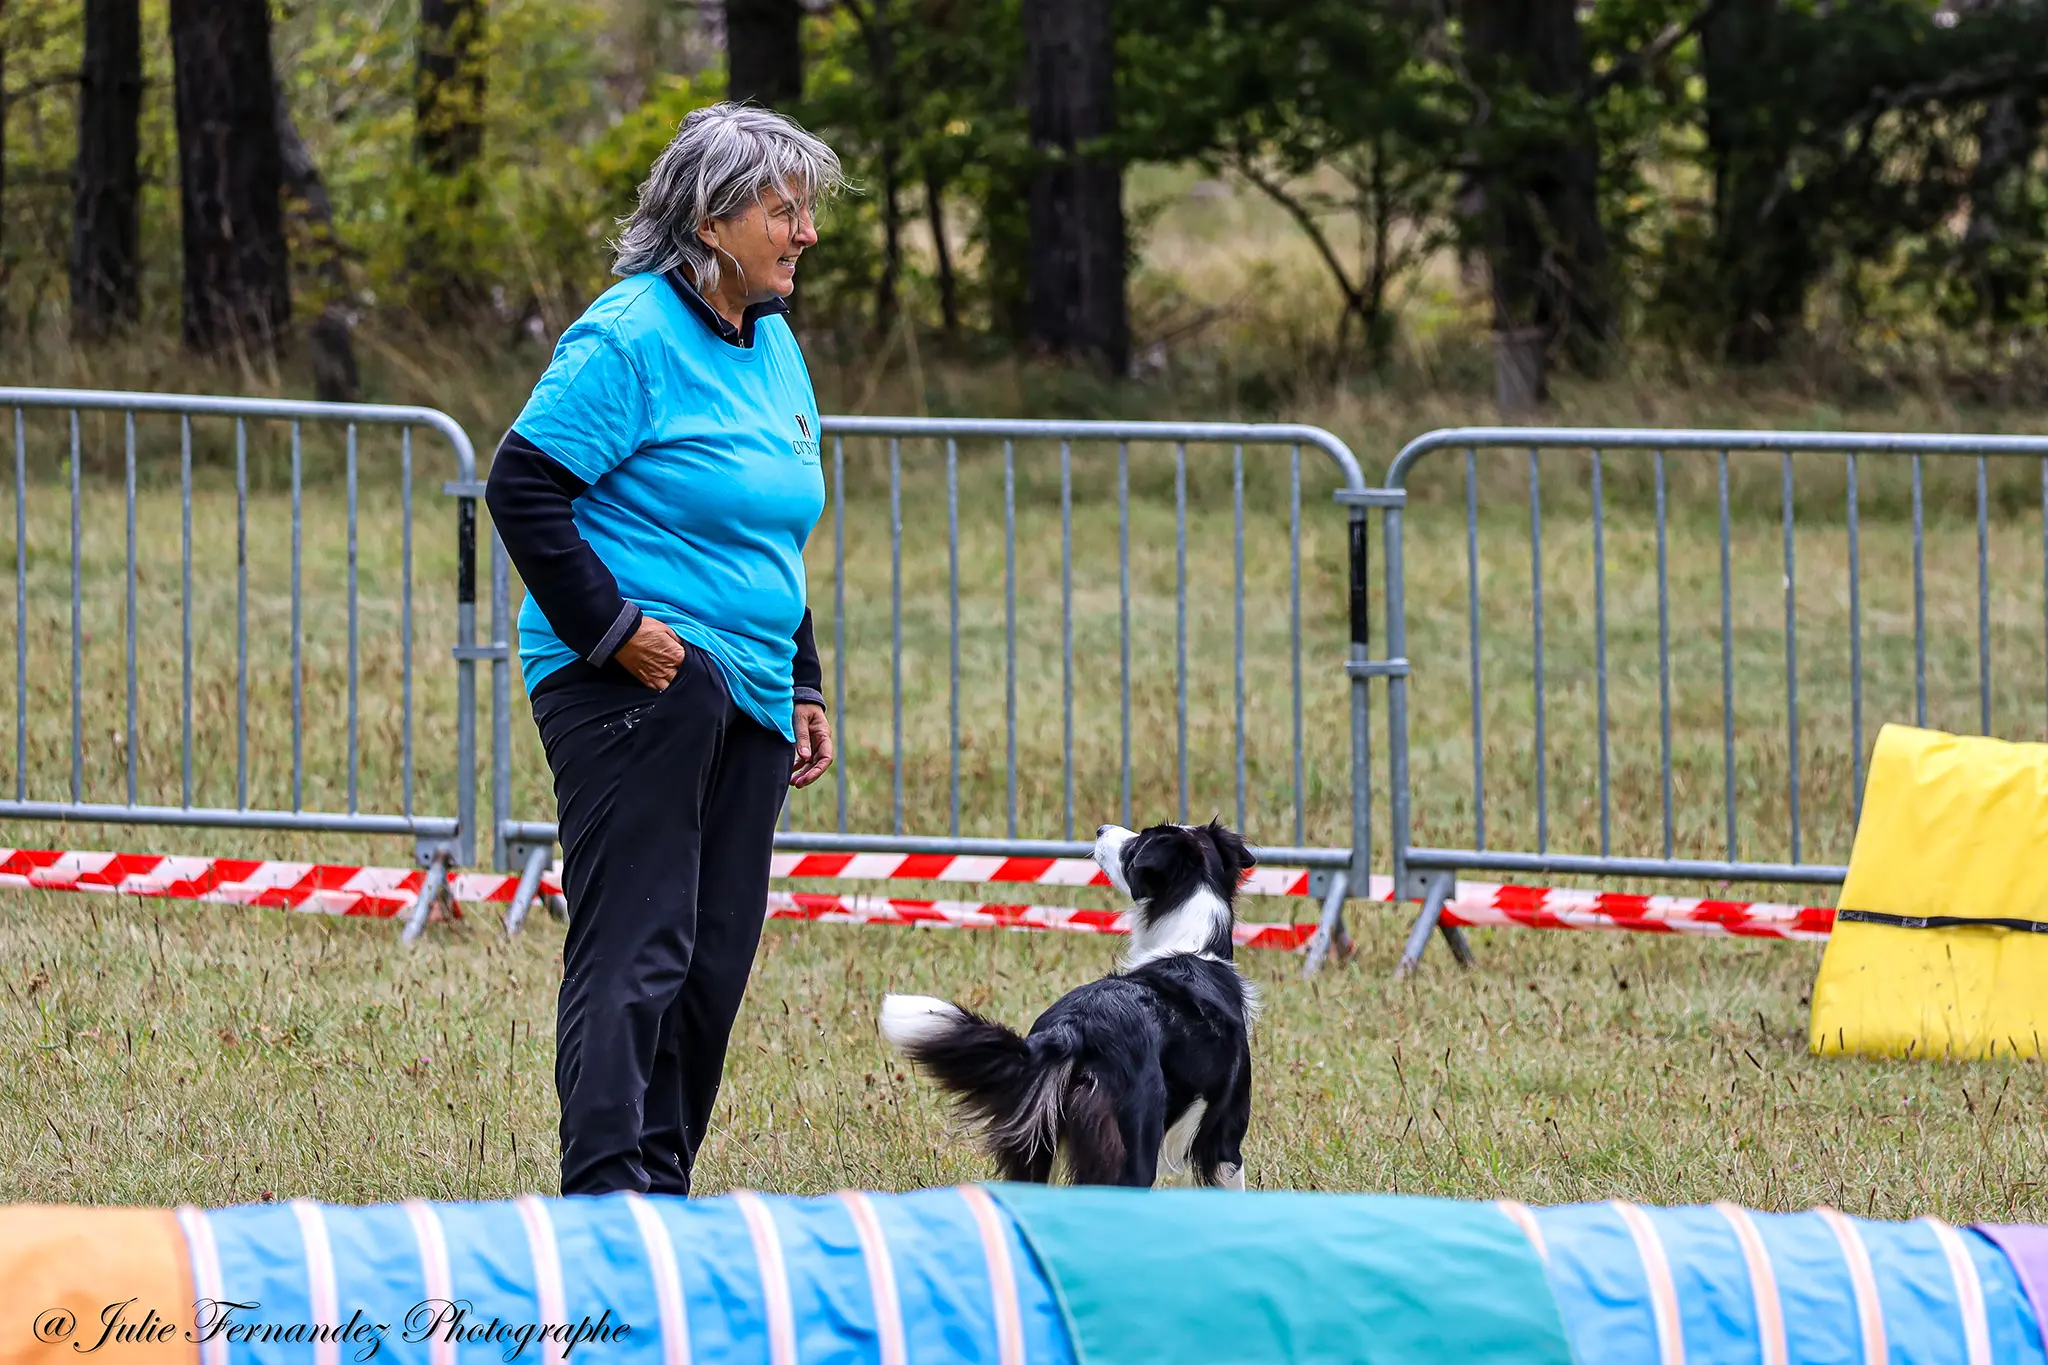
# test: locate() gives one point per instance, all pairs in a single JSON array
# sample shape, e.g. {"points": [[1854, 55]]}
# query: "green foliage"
{"points": [[920, 96], [1764, 165], [1331, 109], [618, 159], [1841, 144], [526, 224], [41, 45], [1644, 55], [42, 42]]}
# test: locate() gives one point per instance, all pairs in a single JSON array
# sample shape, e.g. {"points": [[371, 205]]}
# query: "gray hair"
{"points": [[722, 158]]}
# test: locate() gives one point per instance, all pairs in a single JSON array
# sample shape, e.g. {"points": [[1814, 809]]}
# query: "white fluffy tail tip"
{"points": [[908, 1020]]}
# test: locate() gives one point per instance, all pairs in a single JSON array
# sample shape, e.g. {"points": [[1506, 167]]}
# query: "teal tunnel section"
{"points": [[1013, 1275]]}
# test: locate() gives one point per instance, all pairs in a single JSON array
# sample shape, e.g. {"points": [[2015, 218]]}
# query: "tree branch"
{"points": [[1651, 52], [1354, 300], [1961, 85], [38, 86]]}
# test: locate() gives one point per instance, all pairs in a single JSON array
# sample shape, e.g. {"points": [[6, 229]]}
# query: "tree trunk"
{"points": [[107, 182], [1763, 255], [874, 21], [1546, 249], [335, 377], [935, 215], [892, 234], [1002, 229], [230, 174], [448, 142], [1075, 283], [764, 51], [448, 95], [642, 21], [2008, 135], [5, 272], [1520, 386]]}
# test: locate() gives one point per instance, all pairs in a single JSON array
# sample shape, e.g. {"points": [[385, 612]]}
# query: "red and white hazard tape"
{"points": [[317, 888], [828, 909], [323, 888], [1472, 904], [946, 867], [1542, 907]]}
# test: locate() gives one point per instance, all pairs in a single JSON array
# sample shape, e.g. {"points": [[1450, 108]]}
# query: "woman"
{"points": [[656, 494]]}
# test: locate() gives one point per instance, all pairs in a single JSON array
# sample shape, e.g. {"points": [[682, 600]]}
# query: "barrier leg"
{"points": [[528, 889], [1455, 936], [1426, 924], [433, 890], [1330, 931]]}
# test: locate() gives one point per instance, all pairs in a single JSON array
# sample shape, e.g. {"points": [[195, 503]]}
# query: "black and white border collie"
{"points": [[1147, 1068]]}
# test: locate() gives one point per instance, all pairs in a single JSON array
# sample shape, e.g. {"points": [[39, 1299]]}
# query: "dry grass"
{"points": [[176, 1052]]}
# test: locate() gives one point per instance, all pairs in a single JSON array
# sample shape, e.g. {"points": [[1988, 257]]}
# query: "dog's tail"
{"points": [[1012, 1087]]}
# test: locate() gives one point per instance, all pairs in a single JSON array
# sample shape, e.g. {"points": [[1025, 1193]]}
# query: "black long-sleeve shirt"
{"points": [[531, 496]]}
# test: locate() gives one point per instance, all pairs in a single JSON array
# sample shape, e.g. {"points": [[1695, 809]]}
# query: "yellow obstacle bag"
{"points": [[1938, 949]]}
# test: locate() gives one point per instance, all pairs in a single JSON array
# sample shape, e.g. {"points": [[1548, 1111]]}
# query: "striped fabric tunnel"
{"points": [[1010, 1275], [1724, 1284], [937, 1275]]}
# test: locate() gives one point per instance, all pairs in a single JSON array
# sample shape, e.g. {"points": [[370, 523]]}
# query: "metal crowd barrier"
{"points": [[1642, 644], [1732, 828], [527, 844], [444, 832]]}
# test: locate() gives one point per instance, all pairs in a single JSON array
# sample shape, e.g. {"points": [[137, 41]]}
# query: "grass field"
{"points": [[158, 1054]]}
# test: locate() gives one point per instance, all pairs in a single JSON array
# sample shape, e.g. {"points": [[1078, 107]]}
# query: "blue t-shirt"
{"points": [[702, 461]]}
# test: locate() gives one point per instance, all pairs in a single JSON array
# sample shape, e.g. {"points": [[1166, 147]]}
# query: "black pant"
{"points": [[667, 803]]}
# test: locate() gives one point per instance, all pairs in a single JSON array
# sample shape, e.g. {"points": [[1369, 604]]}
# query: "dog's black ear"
{"points": [[1154, 859], [1231, 846]]}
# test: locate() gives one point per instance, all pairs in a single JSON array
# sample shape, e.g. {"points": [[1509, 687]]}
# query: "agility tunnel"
{"points": [[1012, 1274]]}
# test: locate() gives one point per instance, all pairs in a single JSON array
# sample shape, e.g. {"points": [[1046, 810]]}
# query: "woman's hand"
{"points": [[813, 745], [653, 654]]}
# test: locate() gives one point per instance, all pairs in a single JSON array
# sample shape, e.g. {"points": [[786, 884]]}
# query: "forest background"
{"points": [[1187, 207]]}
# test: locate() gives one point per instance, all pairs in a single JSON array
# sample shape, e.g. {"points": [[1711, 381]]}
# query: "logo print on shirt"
{"points": [[806, 449], [803, 426]]}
